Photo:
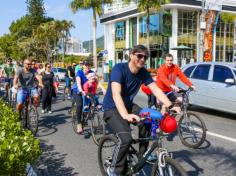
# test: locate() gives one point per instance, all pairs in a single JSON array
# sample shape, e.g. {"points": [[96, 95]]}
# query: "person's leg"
{"points": [[20, 100], [35, 95], [144, 131], [49, 100], [79, 104], [44, 99], [7, 85], [122, 129]]}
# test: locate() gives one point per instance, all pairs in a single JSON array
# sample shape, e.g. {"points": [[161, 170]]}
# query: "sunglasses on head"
{"points": [[140, 56]]}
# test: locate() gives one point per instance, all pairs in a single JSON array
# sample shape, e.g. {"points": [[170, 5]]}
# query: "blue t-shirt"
{"points": [[83, 78], [130, 84]]}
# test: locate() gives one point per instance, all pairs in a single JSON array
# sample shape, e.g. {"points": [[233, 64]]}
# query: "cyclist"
{"points": [[23, 81], [166, 79], [119, 110], [69, 76], [8, 71], [78, 92]]}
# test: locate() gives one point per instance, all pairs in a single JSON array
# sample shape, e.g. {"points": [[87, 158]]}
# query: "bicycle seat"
{"points": [[153, 114]]}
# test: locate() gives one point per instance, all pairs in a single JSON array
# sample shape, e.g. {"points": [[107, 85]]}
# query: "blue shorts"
{"points": [[23, 93], [68, 82]]}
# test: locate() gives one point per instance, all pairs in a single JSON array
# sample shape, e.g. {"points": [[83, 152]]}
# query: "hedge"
{"points": [[17, 145]]}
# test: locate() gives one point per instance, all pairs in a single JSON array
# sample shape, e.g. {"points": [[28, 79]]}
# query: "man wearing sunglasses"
{"points": [[8, 71], [24, 83], [119, 110]]}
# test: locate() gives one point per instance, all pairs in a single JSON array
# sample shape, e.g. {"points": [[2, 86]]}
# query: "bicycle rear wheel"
{"points": [[23, 116], [33, 120], [106, 147], [171, 168], [97, 127], [191, 130]]}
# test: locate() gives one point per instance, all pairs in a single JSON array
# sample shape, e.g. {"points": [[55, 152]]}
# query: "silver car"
{"points": [[215, 84], [59, 73]]}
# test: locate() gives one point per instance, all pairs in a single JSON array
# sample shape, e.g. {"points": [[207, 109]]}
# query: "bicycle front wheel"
{"points": [[33, 120], [191, 130], [106, 148], [171, 168], [97, 127]]}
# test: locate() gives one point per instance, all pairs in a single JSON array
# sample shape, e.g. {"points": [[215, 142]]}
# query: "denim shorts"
{"points": [[68, 82], [22, 94]]}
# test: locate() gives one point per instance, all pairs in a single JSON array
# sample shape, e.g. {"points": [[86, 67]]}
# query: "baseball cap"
{"points": [[91, 76], [86, 63]]}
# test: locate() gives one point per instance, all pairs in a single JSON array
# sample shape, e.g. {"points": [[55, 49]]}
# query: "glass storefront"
{"points": [[187, 35], [120, 37], [224, 41]]}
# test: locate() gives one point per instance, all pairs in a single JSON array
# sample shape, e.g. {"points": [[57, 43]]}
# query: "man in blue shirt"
{"points": [[119, 110], [78, 92]]}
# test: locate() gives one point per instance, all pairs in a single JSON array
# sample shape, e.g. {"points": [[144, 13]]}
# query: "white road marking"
{"points": [[221, 136], [217, 135]]}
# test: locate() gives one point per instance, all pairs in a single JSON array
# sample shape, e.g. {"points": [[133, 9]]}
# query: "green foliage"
{"points": [[17, 146], [71, 59], [227, 17]]}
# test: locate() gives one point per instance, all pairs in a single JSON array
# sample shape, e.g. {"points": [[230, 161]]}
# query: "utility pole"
{"points": [[202, 30]]}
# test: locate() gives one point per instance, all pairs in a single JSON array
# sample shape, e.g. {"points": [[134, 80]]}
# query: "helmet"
{"points": [[168, 124], [146, 90]]}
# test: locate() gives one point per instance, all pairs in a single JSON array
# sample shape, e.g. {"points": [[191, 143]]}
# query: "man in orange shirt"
{"points": [[166, 78]]}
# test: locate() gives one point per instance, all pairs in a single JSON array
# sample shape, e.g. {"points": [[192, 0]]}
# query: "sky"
{"points": [[11, 10]]}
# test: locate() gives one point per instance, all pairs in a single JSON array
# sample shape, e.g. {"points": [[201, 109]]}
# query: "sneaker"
{"points": [[43, 111], [50, 112], [79, 128], [110, 172]]}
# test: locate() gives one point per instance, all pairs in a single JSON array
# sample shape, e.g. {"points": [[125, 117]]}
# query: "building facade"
{"points": [[74, 46], [177, 24]]}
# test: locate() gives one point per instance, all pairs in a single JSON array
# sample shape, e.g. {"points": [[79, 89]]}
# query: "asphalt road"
{"points": [[66, 153]]}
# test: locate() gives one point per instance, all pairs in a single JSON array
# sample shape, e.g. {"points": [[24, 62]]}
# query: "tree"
{"points": [[147, 6], [97, 8], [36, 11], [226, 18]]}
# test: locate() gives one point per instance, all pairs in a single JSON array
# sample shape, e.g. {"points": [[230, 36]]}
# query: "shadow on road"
{"points": [[212, 112], [52, 162], [221, 157]]}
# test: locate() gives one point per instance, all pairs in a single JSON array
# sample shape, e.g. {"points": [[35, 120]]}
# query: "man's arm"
{"points": [[38, 77], [184, 78], [116, 94], [79, 86], [15, 81]]}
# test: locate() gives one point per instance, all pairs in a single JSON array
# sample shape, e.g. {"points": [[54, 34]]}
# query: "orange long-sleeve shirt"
{"points": [[166, 76]]}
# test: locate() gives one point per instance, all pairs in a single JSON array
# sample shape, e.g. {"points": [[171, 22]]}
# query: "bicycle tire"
{"points": [[176, 168], [97, 127], [184, 124], [102, 146], [23, 117], [33, 120], [74, 118]]}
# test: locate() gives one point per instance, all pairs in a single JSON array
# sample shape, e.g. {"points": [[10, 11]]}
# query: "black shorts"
{"points": [[9, 81]]}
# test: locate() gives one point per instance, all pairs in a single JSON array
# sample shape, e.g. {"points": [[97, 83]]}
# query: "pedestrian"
{"points": [[48, 90]]}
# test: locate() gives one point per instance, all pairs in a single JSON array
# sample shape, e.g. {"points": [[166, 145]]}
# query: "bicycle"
{"points": [[29, 113], [191, 128], [163, 166], [92, 116]]}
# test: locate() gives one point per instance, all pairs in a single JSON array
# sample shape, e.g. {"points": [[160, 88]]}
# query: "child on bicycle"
{"points": [[90, 87]]}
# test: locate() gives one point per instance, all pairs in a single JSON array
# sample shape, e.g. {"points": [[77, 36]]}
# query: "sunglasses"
{"points": [[48, 66], [140, 56], [28, 64], [9, 61]]}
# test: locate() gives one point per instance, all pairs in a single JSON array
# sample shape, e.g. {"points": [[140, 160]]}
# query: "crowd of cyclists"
{"points": [[80, 80]]}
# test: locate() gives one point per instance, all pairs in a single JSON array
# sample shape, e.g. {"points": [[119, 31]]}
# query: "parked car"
{"points": [[215, 83], [59, 73]]}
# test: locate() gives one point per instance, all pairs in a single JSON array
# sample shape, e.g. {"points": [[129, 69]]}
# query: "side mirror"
{"points": [[230, 81]]}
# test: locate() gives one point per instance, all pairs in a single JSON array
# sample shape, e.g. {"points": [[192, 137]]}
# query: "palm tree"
{"points": [[97, 7], [226, 18], [147, 6]]}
